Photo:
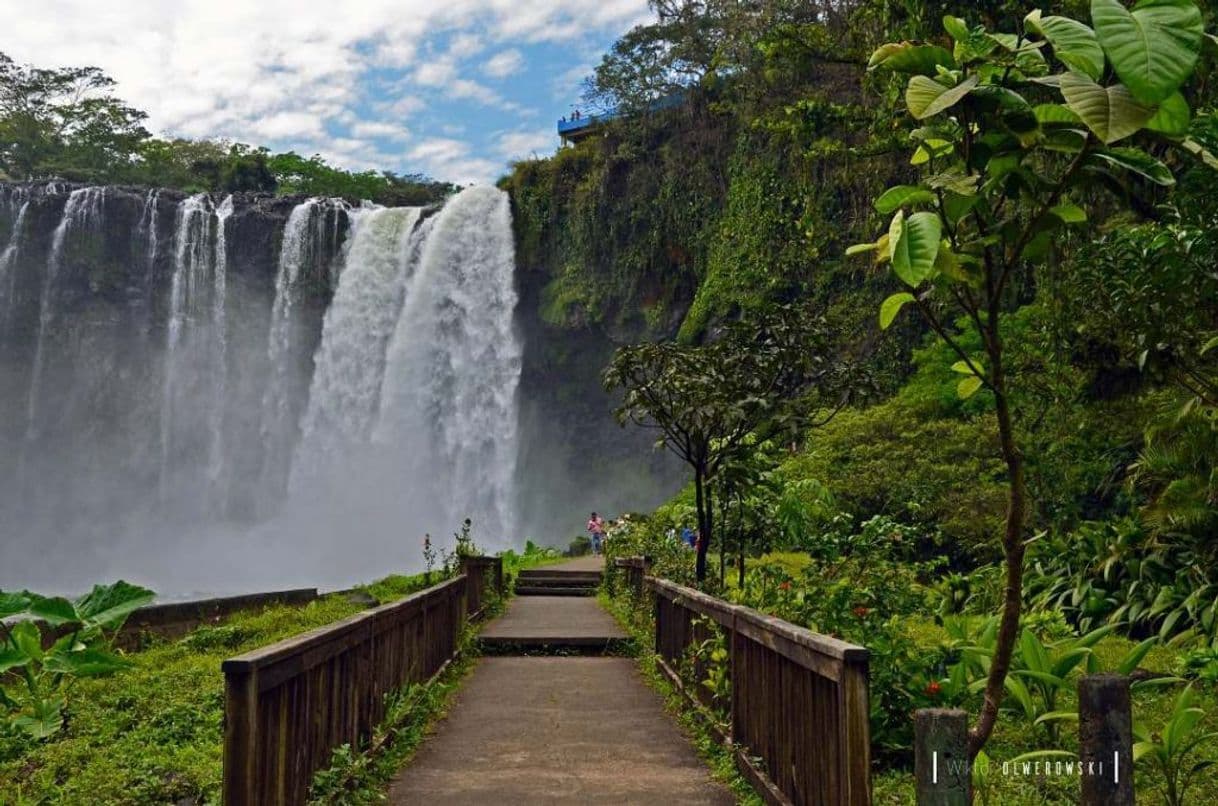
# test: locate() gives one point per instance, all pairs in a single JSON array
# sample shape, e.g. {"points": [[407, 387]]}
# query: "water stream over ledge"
{"points": [[212, 394]]}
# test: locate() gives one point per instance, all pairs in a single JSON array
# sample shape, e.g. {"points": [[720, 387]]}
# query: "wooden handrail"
{"points": [[798, 700], [290, 704]]}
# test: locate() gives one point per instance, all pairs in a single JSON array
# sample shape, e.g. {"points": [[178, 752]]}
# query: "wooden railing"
{"points": [[634, 569], [289, 705], [488, 571], [798, 700]]}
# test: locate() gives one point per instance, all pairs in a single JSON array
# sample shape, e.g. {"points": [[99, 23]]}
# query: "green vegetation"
{"points": [[152, 732], [1032, 495], [66, 123], [1004, 166], [763, 376], [35, 705]]}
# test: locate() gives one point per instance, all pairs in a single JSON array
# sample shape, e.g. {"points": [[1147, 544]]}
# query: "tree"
{"points": [[1007, 148], [761, 377], [64, 122]]}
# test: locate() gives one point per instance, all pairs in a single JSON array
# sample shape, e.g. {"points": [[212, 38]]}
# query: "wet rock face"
{"points": [[86, 303]]}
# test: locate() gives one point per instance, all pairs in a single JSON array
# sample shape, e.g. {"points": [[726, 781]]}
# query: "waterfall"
{"points": [[180, 385], [19, 202], [350, 363], [146, 236], [311, 227], [449, 394], [194, 376], [219, 325], [83, 209]]}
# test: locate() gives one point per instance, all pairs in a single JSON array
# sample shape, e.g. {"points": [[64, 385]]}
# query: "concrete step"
{"points": [[557, 581], [552, 573], [552, 590]]}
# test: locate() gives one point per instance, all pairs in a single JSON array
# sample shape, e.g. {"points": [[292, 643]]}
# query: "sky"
{"points": [[455, 89]]}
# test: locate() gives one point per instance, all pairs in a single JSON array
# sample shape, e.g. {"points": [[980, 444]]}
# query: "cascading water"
{"points": [[195, 378], [449, 395], [350, 364], [309, 229], [82, 210], [177, 362], [19, 205]]}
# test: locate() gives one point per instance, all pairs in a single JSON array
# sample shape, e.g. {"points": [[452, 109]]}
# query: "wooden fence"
{"points": [[798, 700], [635, 570], [288, 705], [488, 571]]}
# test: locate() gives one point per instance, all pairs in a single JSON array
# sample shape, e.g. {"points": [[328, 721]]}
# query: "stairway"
{"points": [[555, 582]]}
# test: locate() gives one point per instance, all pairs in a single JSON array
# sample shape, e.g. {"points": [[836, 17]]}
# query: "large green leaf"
{"points": [[84, 663], [13, 603], [906, 57], [108, 606], [1050, 114], [1153, 48], [1111, 112], [1073, 43], [46, 718], [1137, 161], [892, 306], [1172, 118], [11, 658], [54, 611], [900, 196], [968, 387], [913, 245], [27, 638], [926, 97]]}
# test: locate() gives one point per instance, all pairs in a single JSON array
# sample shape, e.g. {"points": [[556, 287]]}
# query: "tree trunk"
{"points": [[1013, 553], [701, 502], [740, 543], [724, 503]]}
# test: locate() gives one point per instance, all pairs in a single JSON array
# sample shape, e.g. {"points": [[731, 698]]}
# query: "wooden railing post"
{"points": [[941, 763], [855, 712], [1105, 740], [240, 734]]}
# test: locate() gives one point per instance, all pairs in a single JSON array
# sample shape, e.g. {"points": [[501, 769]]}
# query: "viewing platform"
{"points": [[579, 126]]}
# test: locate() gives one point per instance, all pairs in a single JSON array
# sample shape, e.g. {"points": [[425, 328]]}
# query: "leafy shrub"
{"points": [[889, 460], [1176, 749], [1119, 573], [34, 694], [864, 597]]}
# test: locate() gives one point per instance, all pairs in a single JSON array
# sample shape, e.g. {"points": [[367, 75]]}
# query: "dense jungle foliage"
{"points": [[1059, 350], [67, 123]]}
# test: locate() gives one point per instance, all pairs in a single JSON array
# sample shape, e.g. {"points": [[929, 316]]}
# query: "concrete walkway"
{"points": [[557, 730], [558, 621]]}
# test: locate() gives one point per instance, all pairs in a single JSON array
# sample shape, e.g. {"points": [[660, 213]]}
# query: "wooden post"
{"points": [[941, 764], [856, 732], [240, 735], [1105, 740]]}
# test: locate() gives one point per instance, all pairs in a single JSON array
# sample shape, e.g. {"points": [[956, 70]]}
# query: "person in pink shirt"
{"points": [[596, 528]]}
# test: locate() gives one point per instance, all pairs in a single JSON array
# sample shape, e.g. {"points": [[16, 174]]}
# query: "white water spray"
{"points": [[449, 395]]}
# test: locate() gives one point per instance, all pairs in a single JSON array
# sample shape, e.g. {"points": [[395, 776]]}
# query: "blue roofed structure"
{"points": [[573, 129]]}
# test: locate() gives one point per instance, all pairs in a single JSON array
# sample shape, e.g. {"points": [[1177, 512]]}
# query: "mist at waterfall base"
{"points": [[213, 395]]}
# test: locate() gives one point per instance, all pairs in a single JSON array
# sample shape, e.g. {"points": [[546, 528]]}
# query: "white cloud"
{"points": [[521, 145], [453, 160], [504, 64], [297, 72], [376, 128]]}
